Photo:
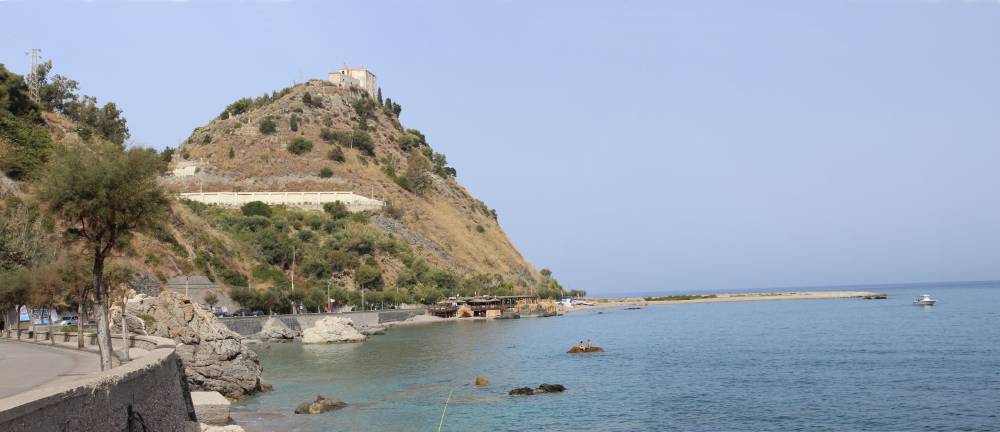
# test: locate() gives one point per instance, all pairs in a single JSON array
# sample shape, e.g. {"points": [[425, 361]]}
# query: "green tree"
{"points": [[268, 126], [336, 154], [211, 299], [256, 208], [336, 209], [362, 141], [299, 146], [102, 197]]}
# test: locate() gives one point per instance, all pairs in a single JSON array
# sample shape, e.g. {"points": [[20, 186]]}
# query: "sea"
{"points": [[812, 365]]}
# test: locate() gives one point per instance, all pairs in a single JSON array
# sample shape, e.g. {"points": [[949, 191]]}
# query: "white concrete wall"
{"points": [[309, 200]]}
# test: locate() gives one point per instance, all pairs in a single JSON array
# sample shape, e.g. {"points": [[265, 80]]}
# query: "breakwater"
{"points": [[251, 325]]}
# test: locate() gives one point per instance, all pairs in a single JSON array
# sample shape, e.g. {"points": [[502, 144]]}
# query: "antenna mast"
{"points": [[33, 78]]}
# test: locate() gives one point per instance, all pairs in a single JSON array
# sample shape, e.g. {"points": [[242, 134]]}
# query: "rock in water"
{"points": [[482, 381], [214, 357], [552, 388], [544, 388], [578, 350], [275, 330], [332, 329], [322, 404]]}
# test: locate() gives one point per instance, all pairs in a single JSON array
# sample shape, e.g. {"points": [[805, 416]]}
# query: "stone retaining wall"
{"points": [[249, 326], [149, 393]]}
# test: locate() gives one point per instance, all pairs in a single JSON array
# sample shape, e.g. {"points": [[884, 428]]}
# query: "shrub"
{"points": [[336, 209], [480, 229], [293, 123], [299, 146], [207, 139], [328, 121], [363, 141], [239, 107], [232, 153], [29, 148], [325, 172], [268, 126], [336, 154], [256, 208], [310, 101]]}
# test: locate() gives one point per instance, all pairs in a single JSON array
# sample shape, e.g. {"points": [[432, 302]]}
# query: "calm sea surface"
{"points": [[837, 365]]}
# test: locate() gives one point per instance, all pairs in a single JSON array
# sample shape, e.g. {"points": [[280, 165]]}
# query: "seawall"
{"points": [[249, 325], [148, 393]]}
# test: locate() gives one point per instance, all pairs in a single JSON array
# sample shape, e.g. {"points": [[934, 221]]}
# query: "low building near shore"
{"points": [[481, 306]]}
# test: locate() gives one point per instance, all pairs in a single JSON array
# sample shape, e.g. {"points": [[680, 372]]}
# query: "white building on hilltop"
{"points": [[361, 78]]}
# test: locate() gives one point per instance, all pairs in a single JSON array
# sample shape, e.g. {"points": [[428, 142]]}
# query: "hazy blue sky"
{"points": [[629, 146]]}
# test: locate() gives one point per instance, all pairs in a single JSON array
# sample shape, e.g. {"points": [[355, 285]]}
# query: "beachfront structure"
{"points": [[360, 78], [304, 200], [483, 306]]}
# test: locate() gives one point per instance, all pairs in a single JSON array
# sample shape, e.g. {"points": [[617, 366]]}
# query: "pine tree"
{"points": [[380, 96]]}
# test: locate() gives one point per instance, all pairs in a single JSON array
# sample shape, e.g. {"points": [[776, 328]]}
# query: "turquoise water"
{"points": [[777, 365]]}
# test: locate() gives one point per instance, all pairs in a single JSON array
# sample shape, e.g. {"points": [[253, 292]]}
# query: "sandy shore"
{"points": [[607, 303]]}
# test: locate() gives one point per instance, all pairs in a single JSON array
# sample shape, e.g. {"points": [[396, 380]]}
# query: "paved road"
{"points": [[24, 366]]}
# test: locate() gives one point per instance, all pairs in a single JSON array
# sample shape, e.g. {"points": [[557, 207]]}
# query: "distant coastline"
{"points": [[608, 303]]}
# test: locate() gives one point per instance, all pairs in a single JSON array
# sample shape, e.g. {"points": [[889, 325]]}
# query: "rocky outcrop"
{"points": [[544, 388], [214, 357], [332, 329], [372, 330], [275, 330], [585, 350], [322, 404]]}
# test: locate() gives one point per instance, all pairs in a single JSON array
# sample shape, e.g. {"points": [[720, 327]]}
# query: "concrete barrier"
{"points": [[249, 326], [149, 393]]}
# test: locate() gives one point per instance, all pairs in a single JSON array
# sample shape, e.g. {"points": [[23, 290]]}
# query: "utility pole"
{"points": [[33, 78]]}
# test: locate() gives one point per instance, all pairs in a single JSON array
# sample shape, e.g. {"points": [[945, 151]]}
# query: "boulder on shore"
{"points": [[213, 356], [275, 330], [584, 350], [544, 388], [372, 330], [332, 329], [322, 404]]}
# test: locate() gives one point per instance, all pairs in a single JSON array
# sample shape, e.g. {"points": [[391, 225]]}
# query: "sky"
{"points": [[628, 146]]}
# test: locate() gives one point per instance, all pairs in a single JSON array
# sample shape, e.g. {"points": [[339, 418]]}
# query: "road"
{"points": [[24, 366]]}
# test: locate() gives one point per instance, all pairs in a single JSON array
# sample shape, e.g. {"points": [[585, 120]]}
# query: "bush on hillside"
{"points": [[363, 141], [336, 209], [268, 126], [336, 154], [325, 172], [299, 146], [256, 208], [293, 123]]}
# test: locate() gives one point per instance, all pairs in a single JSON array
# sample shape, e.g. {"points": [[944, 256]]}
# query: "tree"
{"points": [[417, 167], [102, 197], [336, 154], [211, 299], [336, 209], [299, 146], [268, 126], [256, 208], [14, 293], [379, 96], [362, 141]]}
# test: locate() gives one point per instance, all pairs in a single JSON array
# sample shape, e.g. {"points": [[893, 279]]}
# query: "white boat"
{"points": [[924, 300]]}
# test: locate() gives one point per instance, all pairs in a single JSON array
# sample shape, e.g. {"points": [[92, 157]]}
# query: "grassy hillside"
{"points": [[432, 240], [317, 136]]}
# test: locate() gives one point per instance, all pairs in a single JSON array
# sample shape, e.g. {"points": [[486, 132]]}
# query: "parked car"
{"points": [[70, 321], [222, 314], [242, 312]]}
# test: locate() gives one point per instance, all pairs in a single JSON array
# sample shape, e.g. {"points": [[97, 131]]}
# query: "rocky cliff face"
{"points": [[252, 147], [214, 357]]}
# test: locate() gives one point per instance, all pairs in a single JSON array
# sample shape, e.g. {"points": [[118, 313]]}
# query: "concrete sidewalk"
{"points": [[24, 366]]}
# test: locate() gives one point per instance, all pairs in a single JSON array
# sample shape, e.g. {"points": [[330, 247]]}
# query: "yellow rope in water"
{"points": [[445, 410]]}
